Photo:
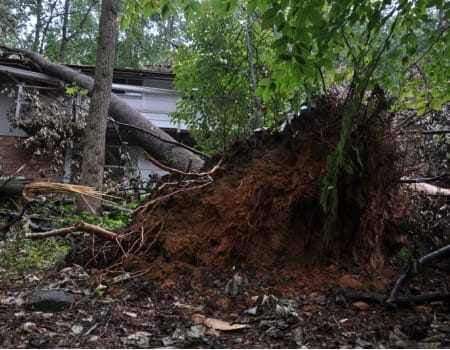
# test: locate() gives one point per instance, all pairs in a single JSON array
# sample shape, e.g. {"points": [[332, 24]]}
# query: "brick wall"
{"points": [[12, 157]]}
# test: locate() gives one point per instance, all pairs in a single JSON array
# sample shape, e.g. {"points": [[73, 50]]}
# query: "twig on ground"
{"points": [[81, 226]]}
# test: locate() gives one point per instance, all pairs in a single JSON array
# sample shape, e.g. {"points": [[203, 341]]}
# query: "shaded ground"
{"points": [[157, 309]]}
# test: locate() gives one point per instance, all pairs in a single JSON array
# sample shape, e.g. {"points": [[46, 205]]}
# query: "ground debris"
{"points": [[146, 312]]}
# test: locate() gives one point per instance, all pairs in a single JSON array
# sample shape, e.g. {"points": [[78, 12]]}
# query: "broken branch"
{"points": [[179, 172], [428, 189], [411, 270], [81, 226]]}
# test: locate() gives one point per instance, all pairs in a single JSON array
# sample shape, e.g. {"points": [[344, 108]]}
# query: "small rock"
{"points": [[49, 300], [76, 329], [197, 331], [140, 339], [28, 327], [237, 340], [361, 306]]}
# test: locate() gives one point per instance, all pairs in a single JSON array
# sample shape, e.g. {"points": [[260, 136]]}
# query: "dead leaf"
{"points": [[361, 306], [223, 325], [198, 319]]}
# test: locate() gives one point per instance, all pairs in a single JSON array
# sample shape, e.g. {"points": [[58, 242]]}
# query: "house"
{"points": [[150, 91]]}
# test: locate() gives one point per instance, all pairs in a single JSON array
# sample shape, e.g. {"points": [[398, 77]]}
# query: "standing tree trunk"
{"points": [[65, 24], [38, 26], [95, 133], [252, 75]]}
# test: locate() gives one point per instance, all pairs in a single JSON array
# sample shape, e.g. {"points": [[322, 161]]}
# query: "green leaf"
{"points": [[167, 9], [223, 6]]}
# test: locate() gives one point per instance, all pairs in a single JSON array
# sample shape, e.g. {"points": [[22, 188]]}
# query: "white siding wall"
{"points": [[157, 107], [147, 168]]}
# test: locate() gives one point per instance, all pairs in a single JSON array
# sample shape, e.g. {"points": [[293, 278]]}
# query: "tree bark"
{"points": [[94, 136], [169, 153]]}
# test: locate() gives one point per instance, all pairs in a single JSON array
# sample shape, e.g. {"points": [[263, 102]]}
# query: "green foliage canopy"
{"points": [[212, 74]]}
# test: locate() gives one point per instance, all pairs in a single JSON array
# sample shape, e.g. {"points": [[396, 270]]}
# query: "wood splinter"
{"points": [[80, 226]]}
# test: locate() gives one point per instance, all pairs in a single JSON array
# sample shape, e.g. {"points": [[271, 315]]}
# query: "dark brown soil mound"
{"points": [[262, 205]]}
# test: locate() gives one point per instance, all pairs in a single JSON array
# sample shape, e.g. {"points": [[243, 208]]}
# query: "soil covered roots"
{"points": [[262, 206]]}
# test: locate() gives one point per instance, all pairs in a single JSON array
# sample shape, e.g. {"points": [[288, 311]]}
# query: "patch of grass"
{"points": [[20, 256], [110, 220]]}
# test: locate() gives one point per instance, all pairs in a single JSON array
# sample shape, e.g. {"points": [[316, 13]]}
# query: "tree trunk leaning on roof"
{"points": [[145, 133]]}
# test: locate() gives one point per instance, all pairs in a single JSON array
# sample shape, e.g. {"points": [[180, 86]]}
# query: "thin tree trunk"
{"points": [[94, 136], [38, 26], [64, 39], [251, 66]]}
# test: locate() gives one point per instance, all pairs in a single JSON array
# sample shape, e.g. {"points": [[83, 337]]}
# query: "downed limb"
{"points": [[382, 299], [3, 183], [81, 226], [179, 172], [428, 189], [413, 268]]}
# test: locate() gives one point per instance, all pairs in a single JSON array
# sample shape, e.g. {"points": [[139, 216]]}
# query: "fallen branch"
{"points": [[413, 268], [382, 299], [428, 189], [435, 132], [179, 172], [81, 226], [425, 179], [6, 181], [15, 218]]}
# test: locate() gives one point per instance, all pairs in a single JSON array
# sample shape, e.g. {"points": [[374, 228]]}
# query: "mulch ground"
{"points": [[160, 307]]}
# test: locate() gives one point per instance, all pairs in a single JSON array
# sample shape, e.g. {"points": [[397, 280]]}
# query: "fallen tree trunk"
{"points": [[149, 137], [12, 188]]}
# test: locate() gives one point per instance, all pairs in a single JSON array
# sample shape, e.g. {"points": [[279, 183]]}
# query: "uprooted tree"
{"points": [[141, 130], [269, 199]]}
